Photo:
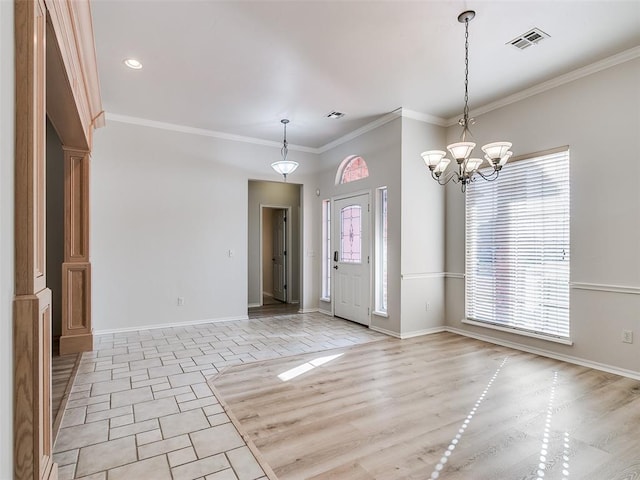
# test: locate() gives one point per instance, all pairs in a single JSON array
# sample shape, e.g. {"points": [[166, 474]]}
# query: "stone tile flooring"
{"points": [[140, 407]]}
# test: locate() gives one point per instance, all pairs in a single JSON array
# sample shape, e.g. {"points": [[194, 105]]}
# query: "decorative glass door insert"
{"points": [[351, 234]]}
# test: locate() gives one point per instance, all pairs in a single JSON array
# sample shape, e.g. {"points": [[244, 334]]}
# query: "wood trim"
{"points": [[76, 308], [76, 205], [73, 29], [33, 458], [30, 198]]}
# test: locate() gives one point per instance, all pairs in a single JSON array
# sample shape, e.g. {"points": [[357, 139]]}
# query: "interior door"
{"points": [[351, 258], [280, 255]]}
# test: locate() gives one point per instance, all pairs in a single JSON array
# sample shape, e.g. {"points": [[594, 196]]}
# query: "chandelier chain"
{"points": [[466, 76]]}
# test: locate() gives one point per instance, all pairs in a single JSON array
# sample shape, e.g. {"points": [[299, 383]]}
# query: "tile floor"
{"points": [[140, 407]]}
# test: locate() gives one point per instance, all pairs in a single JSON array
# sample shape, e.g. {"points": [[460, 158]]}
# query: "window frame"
{"points": [[326, 250], [512, 325], [381, 274], [344, 166]]}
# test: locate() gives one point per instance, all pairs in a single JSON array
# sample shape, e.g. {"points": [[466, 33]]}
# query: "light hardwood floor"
{"points": [[439, 406]]}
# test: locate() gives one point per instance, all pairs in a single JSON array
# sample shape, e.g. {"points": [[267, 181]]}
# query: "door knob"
{"points": [[335, 266]]}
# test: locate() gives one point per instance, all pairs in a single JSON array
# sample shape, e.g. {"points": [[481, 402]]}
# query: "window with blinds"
{"points": [[517, 247]]}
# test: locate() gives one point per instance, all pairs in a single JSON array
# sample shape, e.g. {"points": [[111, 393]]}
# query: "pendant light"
{"points": [[284, 167]]}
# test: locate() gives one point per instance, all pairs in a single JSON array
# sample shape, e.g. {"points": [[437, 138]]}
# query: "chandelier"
{"points": [[284, 167], [496, 153]]}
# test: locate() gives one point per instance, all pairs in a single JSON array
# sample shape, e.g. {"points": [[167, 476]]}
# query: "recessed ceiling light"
{"points": [[133, 63]]}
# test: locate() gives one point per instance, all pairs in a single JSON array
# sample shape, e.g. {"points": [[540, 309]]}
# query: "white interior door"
{"points": [[280, 255], [351, 258]]}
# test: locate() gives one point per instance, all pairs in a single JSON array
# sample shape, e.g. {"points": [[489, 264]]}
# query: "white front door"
{"points": [[350, 240], [279, 254]]}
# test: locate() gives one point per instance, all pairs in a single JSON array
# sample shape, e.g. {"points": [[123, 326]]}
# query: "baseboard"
{"points": [[325, 312], [308, 310], [169, 325], [254, 305], [385, 331], [404, 336], [546, 353], [426, 331]]}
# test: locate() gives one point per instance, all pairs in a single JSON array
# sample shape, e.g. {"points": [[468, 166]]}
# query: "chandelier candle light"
{"points": [[284, 167], [496, 153]]}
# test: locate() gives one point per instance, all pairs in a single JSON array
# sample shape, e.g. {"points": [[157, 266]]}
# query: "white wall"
{"points": [[166, 209], [422, 269], [280, 194], [599, 118], [381, 149], [7, 130]]}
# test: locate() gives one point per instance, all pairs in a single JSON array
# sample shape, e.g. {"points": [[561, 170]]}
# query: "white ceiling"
{"points": [[238, 67]]}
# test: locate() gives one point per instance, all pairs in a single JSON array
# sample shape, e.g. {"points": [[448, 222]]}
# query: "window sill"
{"points": [[325, 299], [380, 314], [564, 341]]}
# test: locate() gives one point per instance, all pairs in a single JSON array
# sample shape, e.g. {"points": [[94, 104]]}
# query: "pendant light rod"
{"points": [[284, 167]]}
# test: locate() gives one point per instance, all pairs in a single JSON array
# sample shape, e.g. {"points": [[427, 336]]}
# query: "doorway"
{"points": [[275, 240], [351, 243]]}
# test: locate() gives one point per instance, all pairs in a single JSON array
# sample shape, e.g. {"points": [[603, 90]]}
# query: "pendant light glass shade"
{"points": [[284, 167]]}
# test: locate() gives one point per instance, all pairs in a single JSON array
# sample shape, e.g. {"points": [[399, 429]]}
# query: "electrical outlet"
{"points": [[180, 301], [627, 336], [428, 306]]}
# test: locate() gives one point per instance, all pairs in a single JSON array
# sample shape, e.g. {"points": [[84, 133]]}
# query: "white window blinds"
{"points": [[517, 247]]}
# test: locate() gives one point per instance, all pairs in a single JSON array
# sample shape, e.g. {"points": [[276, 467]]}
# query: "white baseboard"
{"points": [[385, 331], [325, 312], [308, 310], [426, 331], [169, 325], [546, 353], [254, 305], [404, 336], [266, 294]]}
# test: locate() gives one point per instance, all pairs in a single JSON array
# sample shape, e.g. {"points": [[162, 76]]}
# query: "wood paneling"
{"points": [[76, 206], [30, 199], [76, 269], [32, 408]]}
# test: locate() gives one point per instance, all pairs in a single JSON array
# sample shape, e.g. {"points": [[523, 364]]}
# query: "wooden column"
{"points": [[76, 269], [32, 302]]}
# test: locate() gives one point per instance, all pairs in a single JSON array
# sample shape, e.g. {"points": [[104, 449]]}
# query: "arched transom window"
{"points": [[351, 169]]}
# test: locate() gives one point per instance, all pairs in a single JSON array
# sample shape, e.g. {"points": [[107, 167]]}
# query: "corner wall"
{"points": [[422, 262], [7, 161], [598, 116]]}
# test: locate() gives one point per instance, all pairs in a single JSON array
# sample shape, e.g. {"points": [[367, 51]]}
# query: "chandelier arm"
{"points": [[491, 177], [450, 176]]}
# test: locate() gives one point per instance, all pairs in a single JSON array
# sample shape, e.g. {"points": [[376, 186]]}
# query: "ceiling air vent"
{"points": [[335, 114], [532, 37]]}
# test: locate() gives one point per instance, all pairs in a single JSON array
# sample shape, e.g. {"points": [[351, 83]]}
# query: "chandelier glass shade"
{"points": [[284, 167], [468, 169]]}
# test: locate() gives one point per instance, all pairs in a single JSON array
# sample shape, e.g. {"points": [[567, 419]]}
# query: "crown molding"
{"points": [[174, 127], [608, 62], [362, 130], [424, 117]]}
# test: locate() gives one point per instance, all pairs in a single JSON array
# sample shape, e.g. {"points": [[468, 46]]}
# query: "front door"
{"points": [[351, 258], [280, 254]]}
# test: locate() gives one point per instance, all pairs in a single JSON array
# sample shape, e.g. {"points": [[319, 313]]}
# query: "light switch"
{"points": [[230, 253]]}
